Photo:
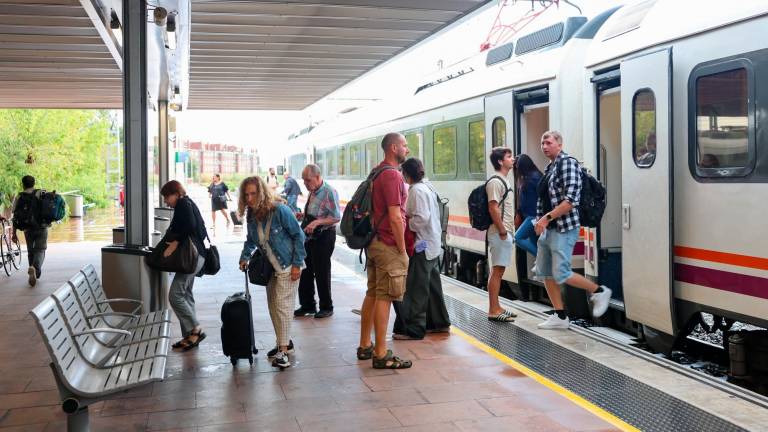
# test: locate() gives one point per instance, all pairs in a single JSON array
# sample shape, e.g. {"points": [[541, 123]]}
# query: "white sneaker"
{"points": [[555, 323], [32, 276], [281, 360], [600, 301]]}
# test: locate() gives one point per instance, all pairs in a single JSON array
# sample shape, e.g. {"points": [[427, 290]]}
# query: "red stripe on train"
{"points": [[722, 280]]}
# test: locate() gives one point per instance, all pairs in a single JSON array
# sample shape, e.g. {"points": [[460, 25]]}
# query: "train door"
{"points": [[499, 130], [532, 118], [603, 250], [647, 195]]}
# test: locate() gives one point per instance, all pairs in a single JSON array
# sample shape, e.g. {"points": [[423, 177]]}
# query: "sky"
{"points": [[268, 130]]}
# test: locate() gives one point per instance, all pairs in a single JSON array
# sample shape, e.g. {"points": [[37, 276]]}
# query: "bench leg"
{"points": [[78, 421]]}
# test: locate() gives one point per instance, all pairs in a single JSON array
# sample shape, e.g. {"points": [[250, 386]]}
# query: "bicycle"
{"points": [[10, 251]]}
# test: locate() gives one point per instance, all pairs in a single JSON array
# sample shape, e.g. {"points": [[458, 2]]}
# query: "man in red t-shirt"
{"points": [[387, 259]]}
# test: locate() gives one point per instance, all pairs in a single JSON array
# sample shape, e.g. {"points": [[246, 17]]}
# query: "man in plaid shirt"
{"points": [[558, 225]]}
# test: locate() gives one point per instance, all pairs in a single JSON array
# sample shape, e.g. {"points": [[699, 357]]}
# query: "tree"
{"points": [[63, 149]]}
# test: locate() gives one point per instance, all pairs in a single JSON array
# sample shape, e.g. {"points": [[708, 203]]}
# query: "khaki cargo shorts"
{"points": [[387, 269]]}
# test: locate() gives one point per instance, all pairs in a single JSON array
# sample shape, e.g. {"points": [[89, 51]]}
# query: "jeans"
{"points": [[319, 250], [292, 202], [526, 238], [37, 243], [423, 306], [182, 301]]}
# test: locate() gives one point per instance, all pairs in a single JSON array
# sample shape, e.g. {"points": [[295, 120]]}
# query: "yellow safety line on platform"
{"points": [[573, 397]]}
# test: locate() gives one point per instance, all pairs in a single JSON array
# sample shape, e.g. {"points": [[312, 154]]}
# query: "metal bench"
{"points": [[80, 383], [125, 345], [96, 304]]}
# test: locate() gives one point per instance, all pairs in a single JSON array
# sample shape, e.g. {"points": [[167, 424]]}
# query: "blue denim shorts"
{"points": [[553, 260], [500, 251]]}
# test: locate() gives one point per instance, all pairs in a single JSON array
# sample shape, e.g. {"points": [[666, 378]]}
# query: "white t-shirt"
{"points": [[495, 190]]}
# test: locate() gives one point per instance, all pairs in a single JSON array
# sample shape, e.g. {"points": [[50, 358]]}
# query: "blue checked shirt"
{"points": [[323, 203], [564, 184]]}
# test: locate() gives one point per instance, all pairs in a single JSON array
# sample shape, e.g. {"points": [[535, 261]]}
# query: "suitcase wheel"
{"points": [[255, 350], [233, 360]]}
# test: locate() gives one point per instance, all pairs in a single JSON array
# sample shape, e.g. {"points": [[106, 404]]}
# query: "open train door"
{"points": [[499, 132], [647, 189]]}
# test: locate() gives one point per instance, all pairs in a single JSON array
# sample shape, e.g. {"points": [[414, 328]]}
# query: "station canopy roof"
{"points": [[244, 54]]}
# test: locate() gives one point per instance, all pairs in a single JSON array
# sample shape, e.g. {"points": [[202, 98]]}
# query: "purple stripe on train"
{"points": [[727, 281]]}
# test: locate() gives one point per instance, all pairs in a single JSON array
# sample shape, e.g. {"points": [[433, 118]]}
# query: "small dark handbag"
{"points": [[212, 261], [260, 270], [182, 260]]}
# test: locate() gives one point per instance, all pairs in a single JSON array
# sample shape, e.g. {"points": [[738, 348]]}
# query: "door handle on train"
{"points": [[625, 216]]}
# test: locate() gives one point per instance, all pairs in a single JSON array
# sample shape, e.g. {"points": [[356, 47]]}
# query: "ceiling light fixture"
{"points": [[160, 14], [116, 27], [170, 29]]}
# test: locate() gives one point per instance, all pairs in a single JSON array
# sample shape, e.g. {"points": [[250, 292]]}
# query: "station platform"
{"points": [[481, 376]]}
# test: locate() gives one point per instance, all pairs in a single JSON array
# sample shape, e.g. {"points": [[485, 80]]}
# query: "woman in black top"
{"points": [[187, 223], [219, 193]]}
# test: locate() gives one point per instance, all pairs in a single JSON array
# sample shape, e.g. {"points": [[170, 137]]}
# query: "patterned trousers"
{"points": [[281, 299]]}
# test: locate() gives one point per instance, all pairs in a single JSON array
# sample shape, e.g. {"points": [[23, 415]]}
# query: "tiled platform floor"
{"points": [[453, 386]]}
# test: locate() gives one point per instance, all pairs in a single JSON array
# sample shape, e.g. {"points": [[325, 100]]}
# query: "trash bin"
{"points": [[165, 212], [125, 275], [118, 235], [75, 204], [162, 224], [156, 237]]}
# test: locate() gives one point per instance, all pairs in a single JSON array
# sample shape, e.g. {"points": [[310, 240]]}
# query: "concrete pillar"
{"points": [[163, 146], [135, 122]]}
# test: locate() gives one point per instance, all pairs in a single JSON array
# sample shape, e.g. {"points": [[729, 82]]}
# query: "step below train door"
{"points": [[499, 130], [647, 190]]}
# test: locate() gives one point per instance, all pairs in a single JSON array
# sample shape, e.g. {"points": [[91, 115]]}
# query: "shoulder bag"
{"points": [[260, 270], [182, 260]]}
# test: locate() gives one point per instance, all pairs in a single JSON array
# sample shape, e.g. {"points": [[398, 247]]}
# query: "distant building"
{"points": [[208, 159]]}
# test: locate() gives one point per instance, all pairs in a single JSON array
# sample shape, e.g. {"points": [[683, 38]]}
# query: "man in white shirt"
{"points": [[272, 181]]}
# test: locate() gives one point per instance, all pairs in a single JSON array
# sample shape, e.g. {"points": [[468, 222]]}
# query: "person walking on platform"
{"points": [[219, 194], [269, 219], [527, 177], [26, 218], [423, 307], [187, 224], [501, 209], [387, 260], [558, 229], [272, 181], [321, 214], [291, 190]]}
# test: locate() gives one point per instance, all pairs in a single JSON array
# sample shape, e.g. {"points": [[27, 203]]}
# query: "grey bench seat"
{"points": [[80, 383], [106, 346]]}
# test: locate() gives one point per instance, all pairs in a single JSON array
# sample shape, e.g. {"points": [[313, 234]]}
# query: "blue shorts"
{"points": [[553, 260], [500, 251]]}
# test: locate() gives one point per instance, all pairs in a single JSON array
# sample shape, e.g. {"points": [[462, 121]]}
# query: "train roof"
{"points": [[650, 23]]}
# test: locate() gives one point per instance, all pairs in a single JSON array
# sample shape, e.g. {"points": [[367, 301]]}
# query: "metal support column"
{"points": [[135, 122], [163, 144]]}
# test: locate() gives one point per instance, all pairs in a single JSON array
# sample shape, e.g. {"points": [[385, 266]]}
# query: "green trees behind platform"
{"points": [[63, 149]]}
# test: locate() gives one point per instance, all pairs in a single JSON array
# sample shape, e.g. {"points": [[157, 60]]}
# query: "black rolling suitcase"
{"points": [[237, 326]]}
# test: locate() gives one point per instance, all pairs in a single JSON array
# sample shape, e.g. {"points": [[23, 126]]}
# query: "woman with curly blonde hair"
{"points": [[265, 213]]}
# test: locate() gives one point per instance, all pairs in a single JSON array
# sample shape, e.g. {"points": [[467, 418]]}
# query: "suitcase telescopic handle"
{"points": [[247, 292]]}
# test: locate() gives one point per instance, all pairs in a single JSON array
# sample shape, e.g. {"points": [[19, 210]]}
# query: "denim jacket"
{"points": [[285, 238]]}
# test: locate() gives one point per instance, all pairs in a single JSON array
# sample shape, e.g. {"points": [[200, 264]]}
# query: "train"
{"points": [[667, 107]]}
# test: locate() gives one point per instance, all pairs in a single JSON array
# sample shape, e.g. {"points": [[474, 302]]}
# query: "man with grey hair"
{"points": [[558, 226], [321, 214]]}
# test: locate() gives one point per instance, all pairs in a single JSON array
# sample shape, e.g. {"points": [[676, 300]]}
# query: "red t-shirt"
{"points": [[388, 190]]}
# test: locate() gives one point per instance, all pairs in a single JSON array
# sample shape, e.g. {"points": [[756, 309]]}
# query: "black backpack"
{"points": [[356, 224], [26, 214], [591, 203], [52, 207], [477, 204]]}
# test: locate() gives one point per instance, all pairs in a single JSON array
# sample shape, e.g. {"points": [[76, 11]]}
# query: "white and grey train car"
{"points": [[670, 114]]}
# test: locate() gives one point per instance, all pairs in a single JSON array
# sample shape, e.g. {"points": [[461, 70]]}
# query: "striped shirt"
{"points": [[564, 184]]}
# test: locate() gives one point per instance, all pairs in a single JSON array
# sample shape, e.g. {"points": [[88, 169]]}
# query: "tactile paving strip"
{"points": [[634, 402]]}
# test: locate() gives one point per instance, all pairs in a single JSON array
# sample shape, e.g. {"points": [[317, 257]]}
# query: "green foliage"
{"points": [[444, 146], [63, 149]]}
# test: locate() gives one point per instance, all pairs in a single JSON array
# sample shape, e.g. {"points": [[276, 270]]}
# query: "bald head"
{"points": [[395, 147]]}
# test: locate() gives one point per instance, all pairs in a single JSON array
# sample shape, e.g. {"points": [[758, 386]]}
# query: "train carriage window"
{"points": [[499, 132], [644, 128], [722, 121], [371, 157], [355, 159], [330, 161], [444, 150], [414, 144], [341, 156], [477, 147], [320, 162]]}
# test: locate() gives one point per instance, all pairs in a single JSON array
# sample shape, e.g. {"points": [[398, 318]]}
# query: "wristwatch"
{"points": [[549, 217]]}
